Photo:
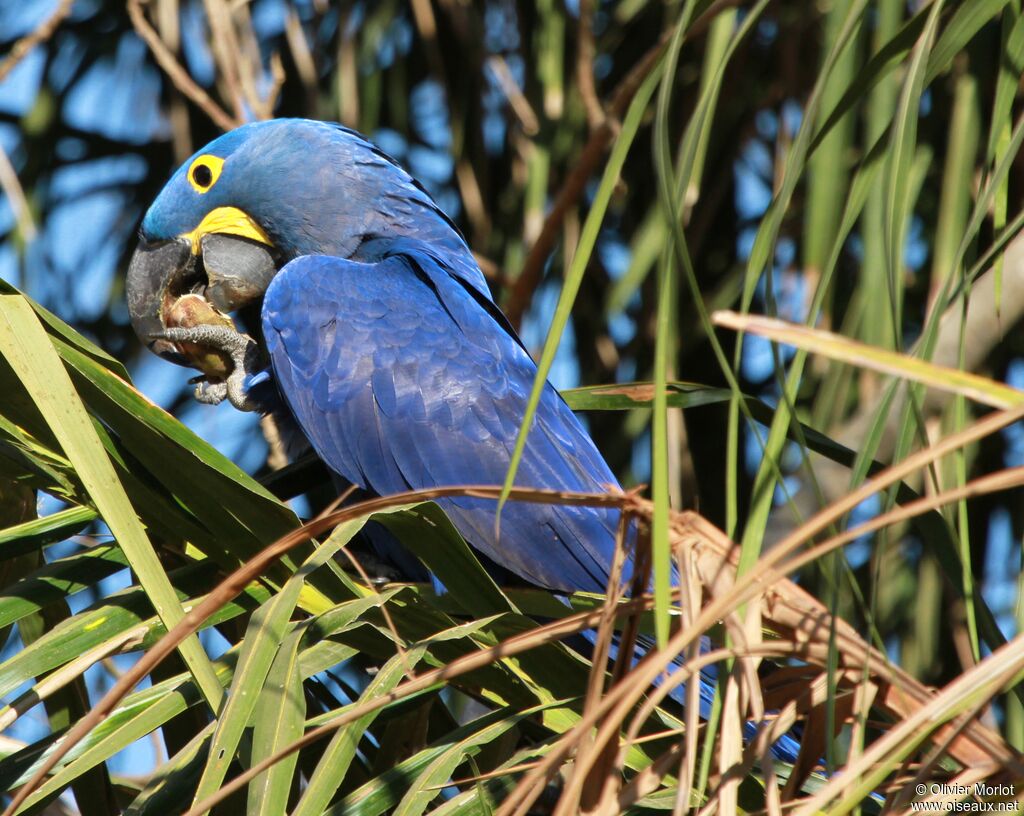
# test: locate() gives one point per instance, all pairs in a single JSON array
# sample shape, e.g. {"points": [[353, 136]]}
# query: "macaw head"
{"points": [[260, 196]]}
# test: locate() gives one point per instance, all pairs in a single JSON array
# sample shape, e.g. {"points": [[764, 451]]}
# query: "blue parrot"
{"points": [[383, 341], [382, 336]]}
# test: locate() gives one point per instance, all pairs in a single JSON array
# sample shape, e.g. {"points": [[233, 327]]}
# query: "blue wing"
{"points": [[404, 377]]}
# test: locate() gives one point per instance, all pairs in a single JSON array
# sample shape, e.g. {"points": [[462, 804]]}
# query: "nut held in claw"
{"points": [[193, 310]]}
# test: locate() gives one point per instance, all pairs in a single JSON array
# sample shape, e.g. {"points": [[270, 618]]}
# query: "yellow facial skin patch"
{"points": [[204, 172], [229, 221], [202, 175]]}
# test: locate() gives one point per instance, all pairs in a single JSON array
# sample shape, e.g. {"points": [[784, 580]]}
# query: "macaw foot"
{"points": [[244, 354]]}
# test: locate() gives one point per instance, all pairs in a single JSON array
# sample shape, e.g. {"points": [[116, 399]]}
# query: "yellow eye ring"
{"points": [[204, 172]]}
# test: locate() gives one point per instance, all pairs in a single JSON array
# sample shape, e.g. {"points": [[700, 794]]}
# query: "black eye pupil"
{"points": [[202, 176]]}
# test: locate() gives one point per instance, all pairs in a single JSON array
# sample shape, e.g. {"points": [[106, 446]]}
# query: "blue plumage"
{"points": [[389, 352], [402, 379], [316, 188]]}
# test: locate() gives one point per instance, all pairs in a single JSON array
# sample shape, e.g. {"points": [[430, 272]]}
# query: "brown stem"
{"points": [[585, 65], [41, 34], [600, 138], [238, 580], [178, 75]]}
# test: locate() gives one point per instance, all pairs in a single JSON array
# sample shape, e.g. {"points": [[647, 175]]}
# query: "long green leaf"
{"points": [[428, 533], [37, 533], [381, 794], [283, 697], [145, 710], [334, 763], [580, 259], [58, 580], [29, 351], [262, 638]]}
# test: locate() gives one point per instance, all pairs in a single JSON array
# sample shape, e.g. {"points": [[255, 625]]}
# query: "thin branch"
{"points": [[585, 65], [15, 193], [465, 174], [347, 551], [626, 695], [572, 190], [226, 54], [277, 458], [302, 57], [621, 699], [276, 83], [246, 55], [600, 139], [583, 791], [491, 270], [347, 81], [245, 52], [238, 580], [518, 103], [178, 75], [23, 46], [168, 26]]}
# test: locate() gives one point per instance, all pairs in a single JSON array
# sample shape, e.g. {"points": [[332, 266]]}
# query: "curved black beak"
{"points": [[156, 270], [229, 272]]}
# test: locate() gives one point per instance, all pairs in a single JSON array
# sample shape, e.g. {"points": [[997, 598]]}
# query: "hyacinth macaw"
{"points": [[383, 340]]}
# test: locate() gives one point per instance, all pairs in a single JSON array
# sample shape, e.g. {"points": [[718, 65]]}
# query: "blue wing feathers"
{"points": [[401, 380], [390, 356]]}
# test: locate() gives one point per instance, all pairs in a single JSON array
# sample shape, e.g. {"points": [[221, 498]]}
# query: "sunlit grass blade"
{"points": [[873, 324], [489, 794], [337, 757], [263, 636], [107, 620], [30, 352], [664, 351], [678, 190], [59, 329], [147, 709], [283, 697], [827, 168], [835, 347], [966, 21], [169, 451], [660, 554], [59, 579], [433, 538], [645, 249], [1011, 64], [759, 263], [972, 688], [379, 795], [626, 396], [37, 533], [147, 712], [168, 789], [900, 159], [964, 24], [574, 275], [887, 59]]}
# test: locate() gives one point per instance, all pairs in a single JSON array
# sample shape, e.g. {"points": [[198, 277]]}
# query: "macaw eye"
{"points": [[204, 172]]}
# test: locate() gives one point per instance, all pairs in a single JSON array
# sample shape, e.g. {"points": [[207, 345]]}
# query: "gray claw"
{"points": [[210, 393], [244, 354]]}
